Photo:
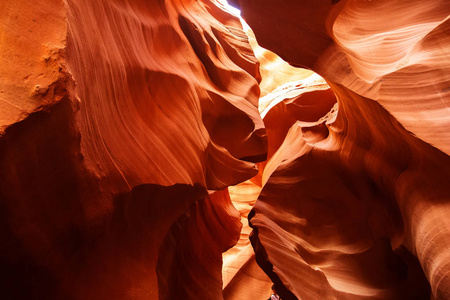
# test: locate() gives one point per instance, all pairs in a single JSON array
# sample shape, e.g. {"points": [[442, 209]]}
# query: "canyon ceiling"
{"points": [[152, 149]]}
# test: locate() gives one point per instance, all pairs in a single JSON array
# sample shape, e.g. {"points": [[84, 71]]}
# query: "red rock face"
{"points": [[117, 147], [193, 249], [124, 126], [242, 277], [354, 207], [140, 51]]}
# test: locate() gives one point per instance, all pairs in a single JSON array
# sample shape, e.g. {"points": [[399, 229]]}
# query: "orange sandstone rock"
{"points": [[386, 63], [242, 277], [122, 123], [128, 129]]}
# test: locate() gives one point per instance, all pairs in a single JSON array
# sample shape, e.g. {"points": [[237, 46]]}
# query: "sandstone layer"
{"points": [[155, 150], [360, 200], [120, 118]]}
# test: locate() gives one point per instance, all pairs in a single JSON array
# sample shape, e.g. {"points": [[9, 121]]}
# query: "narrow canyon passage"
{"points": [[162, 149]]}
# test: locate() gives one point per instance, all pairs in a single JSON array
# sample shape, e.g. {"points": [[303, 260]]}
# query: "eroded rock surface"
{"points": [[131, 137], [387, 65], [119, 119]]}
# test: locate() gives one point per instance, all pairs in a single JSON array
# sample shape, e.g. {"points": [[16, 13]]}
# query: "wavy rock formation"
{"points": [[370, 47], [120, 126], [174, 52], [275, 72], [137, 137], [242, 277], [360, 204], [191, 264]]}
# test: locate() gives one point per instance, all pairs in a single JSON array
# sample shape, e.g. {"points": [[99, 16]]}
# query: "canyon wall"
{"points": [[355, 202], [141, 140], [123, 122]]}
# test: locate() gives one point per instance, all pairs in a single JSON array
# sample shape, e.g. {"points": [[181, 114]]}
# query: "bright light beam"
{"points": [[231, 9]]}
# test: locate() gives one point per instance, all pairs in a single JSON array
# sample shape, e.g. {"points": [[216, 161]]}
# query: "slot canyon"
{"points": [[185, 149]]}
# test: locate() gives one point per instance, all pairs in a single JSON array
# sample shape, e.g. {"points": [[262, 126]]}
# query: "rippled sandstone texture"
{"points": [[358, 208], [123, 122]]}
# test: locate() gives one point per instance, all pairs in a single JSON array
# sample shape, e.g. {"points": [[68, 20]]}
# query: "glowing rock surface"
{"points": [[387, 65], [142, 107], [137, 137]]}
